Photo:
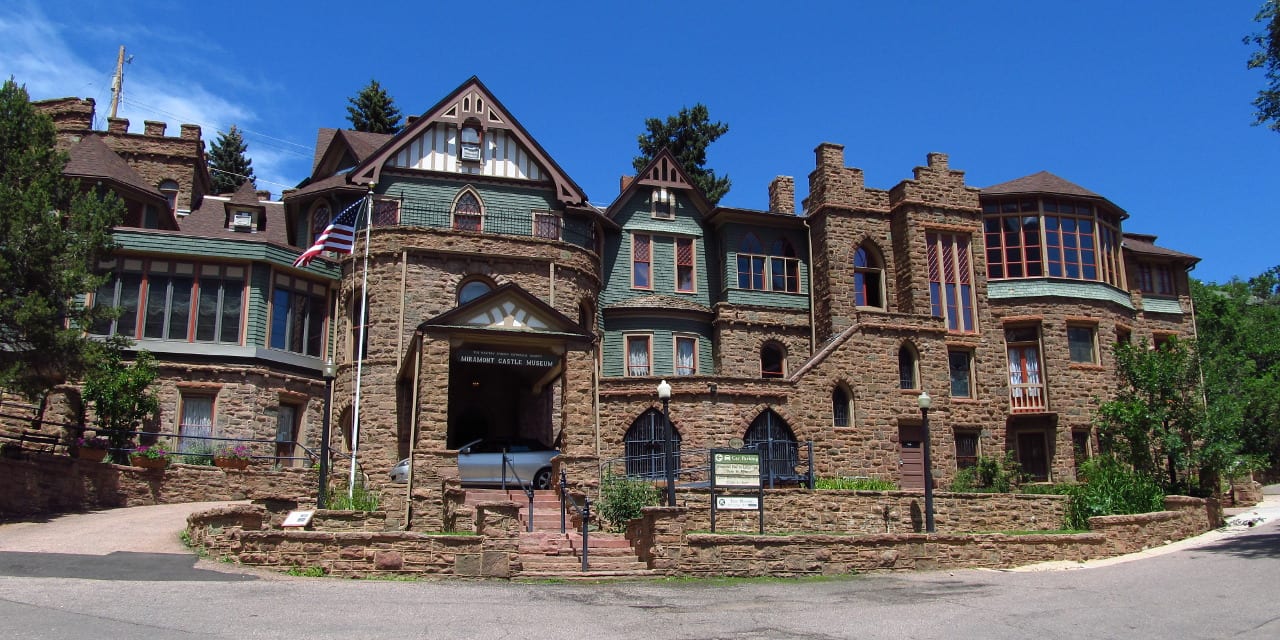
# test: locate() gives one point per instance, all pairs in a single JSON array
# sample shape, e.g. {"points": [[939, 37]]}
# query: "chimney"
{"points": [[938, 161], [117, 125], [263, 195], [624, 182], [408, 120], [153, 128], [782, 195], [190, 132]]}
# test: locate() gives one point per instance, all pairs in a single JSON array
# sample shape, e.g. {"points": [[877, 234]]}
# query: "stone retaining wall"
{"points": [[46, 483], [879, 512]]}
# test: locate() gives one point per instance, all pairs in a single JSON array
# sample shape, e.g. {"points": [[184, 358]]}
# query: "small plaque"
{"points": [[740, 503], [298, 518], [736, 443]]}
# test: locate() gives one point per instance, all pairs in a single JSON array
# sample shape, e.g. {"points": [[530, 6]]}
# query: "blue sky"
{"points": [[1146, 103]]}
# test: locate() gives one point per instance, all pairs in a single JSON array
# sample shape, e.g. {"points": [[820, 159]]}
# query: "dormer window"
{"points": [[469, 147], [243, 221], [664, 204]]}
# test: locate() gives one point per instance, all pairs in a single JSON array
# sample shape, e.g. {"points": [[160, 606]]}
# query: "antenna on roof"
{"points": [[117, 81]]}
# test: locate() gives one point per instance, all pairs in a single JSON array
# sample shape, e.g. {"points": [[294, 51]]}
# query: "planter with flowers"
{"points": [[149, 457], [92, 448], [236, 457]]}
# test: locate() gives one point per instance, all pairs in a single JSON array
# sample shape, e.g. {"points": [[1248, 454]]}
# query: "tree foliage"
{"points": [[52, 235], [1267, 58], [1156, 422], [121, 398], [1239, 341], [687, 134], [373, 110], [228, 163]]}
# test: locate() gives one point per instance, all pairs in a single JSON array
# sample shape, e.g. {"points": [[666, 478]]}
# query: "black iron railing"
{"points": [[527, 488], [584, 514], [530, 223]]}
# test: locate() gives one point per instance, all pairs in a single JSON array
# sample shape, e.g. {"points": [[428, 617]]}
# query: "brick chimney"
{"points": [[153, 128], [624, 182], [117, 125], [938, 161], [782, 195], [263, 194], [190, 131]]}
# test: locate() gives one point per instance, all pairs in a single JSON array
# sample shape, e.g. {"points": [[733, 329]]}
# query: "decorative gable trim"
{"points": [[472, 102], [507, 308], [663, 172]]}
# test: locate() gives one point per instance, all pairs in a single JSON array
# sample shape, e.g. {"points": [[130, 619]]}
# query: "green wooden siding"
{"points": [[663, 332], [731, 240], [258, 305], [1041, 287], [212, 249], [637, 218], [441, 194]]}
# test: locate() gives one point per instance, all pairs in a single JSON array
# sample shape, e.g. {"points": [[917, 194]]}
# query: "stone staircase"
{"points": [[546, 553]]}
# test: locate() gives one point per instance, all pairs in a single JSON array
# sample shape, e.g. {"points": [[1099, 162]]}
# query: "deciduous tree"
{"points": [[1267, 58], [121, 397], [687, 134]]}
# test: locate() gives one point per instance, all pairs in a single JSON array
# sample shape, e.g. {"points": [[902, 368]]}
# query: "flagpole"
{"points": [[360, 350]]}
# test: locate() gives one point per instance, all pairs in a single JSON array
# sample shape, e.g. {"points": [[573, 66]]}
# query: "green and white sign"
{"points": [[735, 470], [738, 503]]}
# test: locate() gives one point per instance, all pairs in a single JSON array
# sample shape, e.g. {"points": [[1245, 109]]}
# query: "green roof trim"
{"points": [[1044, 287], [1161, 305], [195, 248]]}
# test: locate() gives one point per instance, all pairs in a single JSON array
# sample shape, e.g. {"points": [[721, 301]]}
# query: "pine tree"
{"points": [[227, 162], [53, 233], [687, 134], [1267, 58], [374, 111]]}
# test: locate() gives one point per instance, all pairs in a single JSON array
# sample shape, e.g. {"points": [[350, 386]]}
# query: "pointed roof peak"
{"points": [[664, 172], [92, 158], [245, 195]]}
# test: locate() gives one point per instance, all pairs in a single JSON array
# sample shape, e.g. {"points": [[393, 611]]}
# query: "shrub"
{"points": [[855, 484], [1109, 488], [198, 453], [622, 498], [989, 475], [361, 499]]}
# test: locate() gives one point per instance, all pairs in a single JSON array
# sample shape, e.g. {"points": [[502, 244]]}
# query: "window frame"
{"points": [[781, 350], [692, 266], [1036, 393], [841, 403], [140, 277], [1030, 251], [313, 292], [455, 217], [544, 219], [1073, 343], [386, 211], [472, 125], [647, 262], [765, 267], [954, 302], [662, 199], [676, 340], [185, 396], [912, 368], [871, 269], [627, 367], [467, 282], [967, 461], [967, 355]]}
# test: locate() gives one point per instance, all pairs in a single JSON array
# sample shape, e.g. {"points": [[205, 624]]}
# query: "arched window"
{"points": [[645, 446], [773, 360], [468, 213], [841, 407], [170, 190], [868, 279], [779, 454], [908, 367], [473, 288], [751, 263], [469, 147]]}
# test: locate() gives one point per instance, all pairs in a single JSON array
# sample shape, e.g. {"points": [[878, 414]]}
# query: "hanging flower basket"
{"points": [[90, 454], [238, 464]]}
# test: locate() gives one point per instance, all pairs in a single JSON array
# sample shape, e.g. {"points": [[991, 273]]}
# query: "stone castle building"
{"points": [[501, 304]]}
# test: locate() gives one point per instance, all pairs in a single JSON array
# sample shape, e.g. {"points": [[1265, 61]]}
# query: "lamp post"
{"points": [[664, 394], [329, 372], [925, 402]]}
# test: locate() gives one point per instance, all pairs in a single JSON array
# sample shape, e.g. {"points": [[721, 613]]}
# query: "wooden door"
{"points": [[1033, 455], [911, 457]]}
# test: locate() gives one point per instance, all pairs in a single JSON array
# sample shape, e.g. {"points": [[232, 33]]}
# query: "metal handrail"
{"points": [[528, 490], [584, 514]]}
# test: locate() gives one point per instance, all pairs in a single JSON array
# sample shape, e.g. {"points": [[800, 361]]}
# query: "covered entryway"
{"points": [[911, 456], [500, 395]]}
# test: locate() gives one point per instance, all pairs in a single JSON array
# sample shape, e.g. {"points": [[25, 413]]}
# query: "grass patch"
{"points": [[855, 484], [361, 499], [306, 572]]}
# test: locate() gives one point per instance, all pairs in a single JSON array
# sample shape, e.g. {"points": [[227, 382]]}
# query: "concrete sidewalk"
{"points": [[149, 529]]}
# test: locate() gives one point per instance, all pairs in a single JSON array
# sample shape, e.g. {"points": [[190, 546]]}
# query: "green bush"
{"points": [[198, 453], [855, 484], [989, 475], [1110, 488], [622, 498]]}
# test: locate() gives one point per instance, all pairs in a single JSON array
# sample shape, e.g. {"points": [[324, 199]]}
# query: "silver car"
{"points": [[480, 464]]}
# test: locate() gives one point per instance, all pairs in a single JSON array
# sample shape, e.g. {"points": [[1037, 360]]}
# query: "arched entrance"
{"points": [[779, 454]]}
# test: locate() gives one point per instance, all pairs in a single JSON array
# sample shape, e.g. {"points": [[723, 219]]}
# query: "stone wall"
{"points": [[43, 484], [879, 512]]}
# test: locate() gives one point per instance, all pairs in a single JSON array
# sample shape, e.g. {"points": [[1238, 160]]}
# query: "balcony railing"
{"points": [[1027, 398], [529, 223]]}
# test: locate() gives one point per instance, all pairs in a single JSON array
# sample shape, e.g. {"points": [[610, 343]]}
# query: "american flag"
{"points": [[339, 236]]}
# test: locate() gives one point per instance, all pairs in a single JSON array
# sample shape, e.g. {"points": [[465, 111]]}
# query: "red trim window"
{"points": [[686, 355], [639, 355], [641, 261], [685, 280], [950, 283], [546, 224], [1013, 242], [784, 268], [867, 279], [386, 212], [751, 263]]}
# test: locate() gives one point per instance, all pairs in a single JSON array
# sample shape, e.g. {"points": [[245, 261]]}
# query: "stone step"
{"points": [[589, 576], [575, 564], [605, 552]]}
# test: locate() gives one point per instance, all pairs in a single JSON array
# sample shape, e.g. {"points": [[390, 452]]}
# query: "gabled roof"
{"points": [[1045, 183], [1146, 245], [497, 116], [507, 308], [90, 158], [663, 171], [210, 221], [246, 195]]}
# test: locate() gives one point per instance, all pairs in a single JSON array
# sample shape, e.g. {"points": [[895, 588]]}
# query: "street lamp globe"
{"points": [[664, 390], [924, 401]]}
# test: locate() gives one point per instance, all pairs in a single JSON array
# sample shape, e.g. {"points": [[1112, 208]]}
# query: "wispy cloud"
{"points": [[39, 53]]}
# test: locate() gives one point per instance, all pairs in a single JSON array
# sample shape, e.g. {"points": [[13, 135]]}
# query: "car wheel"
{"points": [[542, 479]]}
